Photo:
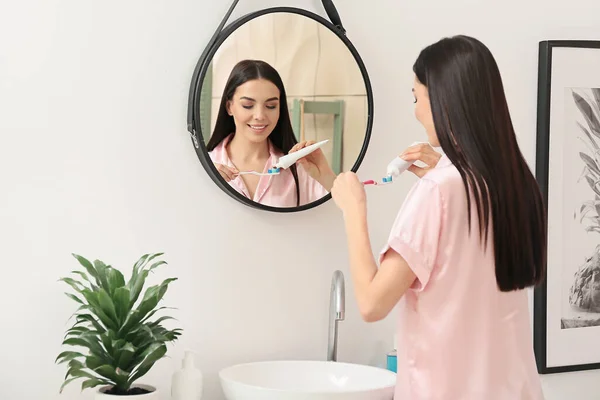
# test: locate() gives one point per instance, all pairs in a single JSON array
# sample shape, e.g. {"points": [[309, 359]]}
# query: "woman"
{"points": [[469, 238], [253, 130]]}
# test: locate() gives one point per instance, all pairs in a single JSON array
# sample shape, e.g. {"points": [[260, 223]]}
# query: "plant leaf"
{"points": [[151, 314], [156, 265], [137, 287], [155, 353], [74, 365], [65, 383], [97, 309], [139, 275], [596, 94], [107, 343], [73, 297], [118, 345], [92, 383], [588, 113], [164, 286], [91, 343], [84, 276], [107, 306], [140, 263], [588, 134], [79, 330], [589, 161], [93, 362], [592, 229], [151, 298], [135, 271], [76, 285], [121, 299], [161, 319], [115, 280], [152, 257], [67, 356], [109, 372], [88, 267], [125, 357], [89, 318], [585, 209], [592, 184], [79, 373], [102, 274]]}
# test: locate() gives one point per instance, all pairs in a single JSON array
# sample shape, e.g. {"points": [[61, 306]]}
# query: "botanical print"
{"points": [[583, 308]]}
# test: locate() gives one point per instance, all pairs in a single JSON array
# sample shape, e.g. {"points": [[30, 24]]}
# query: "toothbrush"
{"points": [[271, 171], [384, 181], [394, 169]]}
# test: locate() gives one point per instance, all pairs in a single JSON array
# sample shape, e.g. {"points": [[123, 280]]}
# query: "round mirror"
{"points": [[284, 105]]}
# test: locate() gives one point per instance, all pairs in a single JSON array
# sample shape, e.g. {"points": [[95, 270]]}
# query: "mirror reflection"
{"points": [[278, 84]]}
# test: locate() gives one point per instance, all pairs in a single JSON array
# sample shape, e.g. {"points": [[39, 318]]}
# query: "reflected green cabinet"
{"points": [[302, 107]]}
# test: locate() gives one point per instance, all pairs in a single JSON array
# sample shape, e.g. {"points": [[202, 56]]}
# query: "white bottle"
{"points": [[289, 159], [187, 382], [397, 166]]}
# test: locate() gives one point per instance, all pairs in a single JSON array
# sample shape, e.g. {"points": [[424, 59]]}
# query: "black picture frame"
{"points": [[221, 34], [545, 58]]}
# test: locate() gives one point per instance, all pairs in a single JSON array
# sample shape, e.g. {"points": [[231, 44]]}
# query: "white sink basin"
{"points": [[306, 380]]}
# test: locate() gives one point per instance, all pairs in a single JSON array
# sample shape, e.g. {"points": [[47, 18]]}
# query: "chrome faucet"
{"points": [[337, 311]]}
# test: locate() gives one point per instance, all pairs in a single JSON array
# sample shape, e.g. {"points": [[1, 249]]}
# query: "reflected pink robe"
{"points": [[276, 190]]}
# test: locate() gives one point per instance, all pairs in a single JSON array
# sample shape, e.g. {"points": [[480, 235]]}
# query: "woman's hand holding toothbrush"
{"points": [[348, 192], [421, 152], [228, 173], [316, 165]]}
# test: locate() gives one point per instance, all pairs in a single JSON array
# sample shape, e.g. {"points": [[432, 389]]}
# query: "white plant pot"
{"points": [[154, 395]]}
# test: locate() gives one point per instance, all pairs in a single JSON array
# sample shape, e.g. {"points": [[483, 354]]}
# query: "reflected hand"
{"points": [[421, 152], [348, 192], [315, 164], [227, 173]]}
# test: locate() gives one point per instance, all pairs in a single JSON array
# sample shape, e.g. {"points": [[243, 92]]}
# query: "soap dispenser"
{"points": [[187, 382]]}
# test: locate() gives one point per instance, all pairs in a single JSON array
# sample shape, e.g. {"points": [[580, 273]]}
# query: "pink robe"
{"points": [[459, 337], [276, 190]]}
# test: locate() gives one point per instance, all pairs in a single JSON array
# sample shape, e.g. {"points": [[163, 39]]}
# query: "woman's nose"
{"points": [[259, 114]]}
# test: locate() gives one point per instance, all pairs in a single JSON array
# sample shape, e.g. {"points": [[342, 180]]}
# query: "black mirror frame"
{"points": [[220, 35]]}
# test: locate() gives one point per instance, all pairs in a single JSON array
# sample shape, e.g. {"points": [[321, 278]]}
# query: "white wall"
{"points": [[96, 160]]}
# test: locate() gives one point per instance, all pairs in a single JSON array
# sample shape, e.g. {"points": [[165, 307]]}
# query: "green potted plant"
{"points": [[114, 326]]}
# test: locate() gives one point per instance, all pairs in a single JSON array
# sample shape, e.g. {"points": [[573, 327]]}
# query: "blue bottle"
{"points": [[392, 362]]}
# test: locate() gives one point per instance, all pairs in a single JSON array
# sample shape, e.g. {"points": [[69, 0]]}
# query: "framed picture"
{"points": [[567, 304]]}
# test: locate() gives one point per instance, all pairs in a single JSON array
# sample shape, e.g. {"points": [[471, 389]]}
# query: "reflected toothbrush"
{"points": [[271, 171]]}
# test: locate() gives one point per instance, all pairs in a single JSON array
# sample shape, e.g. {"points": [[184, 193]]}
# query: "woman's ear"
{"points": [[228, 108]]}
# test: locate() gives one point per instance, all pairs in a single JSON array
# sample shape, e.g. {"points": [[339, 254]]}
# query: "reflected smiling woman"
{"points": [[252, 130]]}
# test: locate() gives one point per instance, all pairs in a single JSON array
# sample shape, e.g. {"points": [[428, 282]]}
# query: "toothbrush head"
{"points": [[387, 179], [274, 171]]}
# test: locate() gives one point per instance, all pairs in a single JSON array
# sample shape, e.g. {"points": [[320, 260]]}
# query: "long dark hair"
{"points": [[282, 136], [474, 128]]}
